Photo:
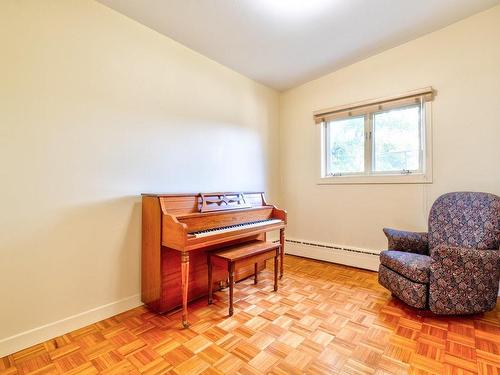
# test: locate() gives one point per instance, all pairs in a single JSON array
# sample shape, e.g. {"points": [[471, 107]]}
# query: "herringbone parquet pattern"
{"points": [[325, 319]]}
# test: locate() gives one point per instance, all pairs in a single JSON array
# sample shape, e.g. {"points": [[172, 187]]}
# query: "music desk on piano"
{"points": [[178, 230]]}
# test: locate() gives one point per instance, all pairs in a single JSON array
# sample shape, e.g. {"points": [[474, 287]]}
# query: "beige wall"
{"points": [[462, 62], [95, 109]]}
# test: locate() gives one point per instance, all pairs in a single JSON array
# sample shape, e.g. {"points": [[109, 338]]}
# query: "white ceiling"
{"points": [[283, 43]]}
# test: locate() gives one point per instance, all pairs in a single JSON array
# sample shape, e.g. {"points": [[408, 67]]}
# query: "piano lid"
{"points": [[193, 194], [209, 203]]}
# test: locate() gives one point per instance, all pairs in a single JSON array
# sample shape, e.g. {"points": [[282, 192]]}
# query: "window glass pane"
{"points": [[396, 139], [346, 153]]}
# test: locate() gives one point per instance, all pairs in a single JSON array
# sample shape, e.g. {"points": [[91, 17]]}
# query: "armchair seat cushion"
{"points": [[415, 267]]}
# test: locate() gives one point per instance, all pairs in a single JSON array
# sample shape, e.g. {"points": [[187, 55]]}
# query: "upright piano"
{"points": [[179, 229]]}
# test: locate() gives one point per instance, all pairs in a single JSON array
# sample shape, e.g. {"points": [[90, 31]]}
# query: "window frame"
{"points": [[421, 176]]}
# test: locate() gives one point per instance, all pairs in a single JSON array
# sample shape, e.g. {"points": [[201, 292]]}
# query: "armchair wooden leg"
{"points": [[231, 287], [210, 279]]}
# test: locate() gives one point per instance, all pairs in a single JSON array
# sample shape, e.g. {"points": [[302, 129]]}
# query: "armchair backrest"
{"points": [[465, 219]]}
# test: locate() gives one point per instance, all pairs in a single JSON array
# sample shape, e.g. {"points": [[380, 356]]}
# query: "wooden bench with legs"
{"points": [[242, 255]]}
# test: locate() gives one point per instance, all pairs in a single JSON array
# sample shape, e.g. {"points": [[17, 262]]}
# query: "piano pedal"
{"points": [[223, 284]]}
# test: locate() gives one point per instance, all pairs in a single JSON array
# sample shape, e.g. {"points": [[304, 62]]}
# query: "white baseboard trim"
{"points": [[48, 331], [349, 256]]}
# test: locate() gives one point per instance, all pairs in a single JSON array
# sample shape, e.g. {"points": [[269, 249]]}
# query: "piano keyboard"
{"points": [[230, 228]]}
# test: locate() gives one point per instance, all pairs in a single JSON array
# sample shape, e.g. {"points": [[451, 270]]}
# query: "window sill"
{"points": [[376, 179]]}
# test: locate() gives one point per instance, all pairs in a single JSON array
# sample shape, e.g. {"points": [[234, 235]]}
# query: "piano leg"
{"points": [[282, 250], [184, 284]]}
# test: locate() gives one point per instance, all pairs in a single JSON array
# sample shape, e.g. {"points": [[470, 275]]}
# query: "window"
{"points": [[379, 141], [397, 140], [345, 145]]}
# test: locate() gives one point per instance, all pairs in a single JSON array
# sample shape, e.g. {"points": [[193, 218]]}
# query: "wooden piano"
{"points": [[178, 230]]}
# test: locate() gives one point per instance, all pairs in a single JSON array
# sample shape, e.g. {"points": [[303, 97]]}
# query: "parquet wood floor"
{"points": [[325, 319]]}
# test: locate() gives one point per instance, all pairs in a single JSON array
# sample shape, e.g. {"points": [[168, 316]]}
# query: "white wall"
{"points": [[462, 62], [95, 109]]}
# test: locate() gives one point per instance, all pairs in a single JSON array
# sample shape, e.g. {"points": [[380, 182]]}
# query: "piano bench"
{"points": [[242, 255]]}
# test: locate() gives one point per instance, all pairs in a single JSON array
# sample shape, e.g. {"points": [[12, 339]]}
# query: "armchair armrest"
{"points": [[412, 242], [463, 281]]}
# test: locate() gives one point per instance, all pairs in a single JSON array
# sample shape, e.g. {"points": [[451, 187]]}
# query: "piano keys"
{"points": [[231, 228], [179, 229]]}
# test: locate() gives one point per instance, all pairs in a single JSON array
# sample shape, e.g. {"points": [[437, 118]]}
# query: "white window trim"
{"points": [[425, 177]]}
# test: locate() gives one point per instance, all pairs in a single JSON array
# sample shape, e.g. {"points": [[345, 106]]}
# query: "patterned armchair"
{"points": [[455, 267]]}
